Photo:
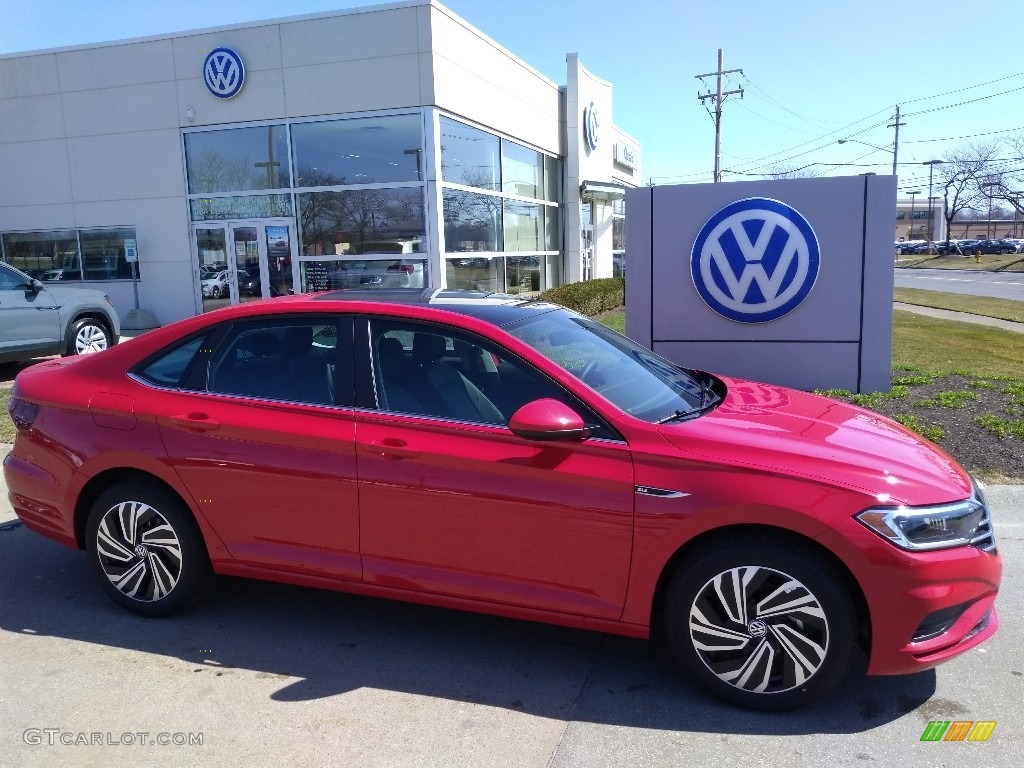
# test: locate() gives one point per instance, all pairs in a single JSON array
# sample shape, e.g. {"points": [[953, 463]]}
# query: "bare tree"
{"points": [[961, 177], [790, 172]]}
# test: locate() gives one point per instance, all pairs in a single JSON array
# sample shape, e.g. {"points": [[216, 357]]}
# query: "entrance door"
{"points": [[243, 260]]}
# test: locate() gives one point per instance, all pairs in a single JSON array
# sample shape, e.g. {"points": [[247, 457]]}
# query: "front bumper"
{"points": [[924, 608]]}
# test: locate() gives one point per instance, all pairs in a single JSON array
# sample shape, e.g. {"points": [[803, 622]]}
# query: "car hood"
{"points": [[783, 430]]}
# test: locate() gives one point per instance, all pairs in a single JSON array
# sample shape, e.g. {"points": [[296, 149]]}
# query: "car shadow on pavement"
{"points": [[323, 644]]}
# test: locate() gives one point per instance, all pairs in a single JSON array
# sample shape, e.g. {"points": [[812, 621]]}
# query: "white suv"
{"points": [[38, 319]]}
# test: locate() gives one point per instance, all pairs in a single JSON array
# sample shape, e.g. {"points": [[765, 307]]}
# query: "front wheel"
{"points": [[761, 626], [146, 549], [87, 336]]}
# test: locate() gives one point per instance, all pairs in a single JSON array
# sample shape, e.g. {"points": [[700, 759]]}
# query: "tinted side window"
{"points": [[433, 371], [292, 360], [169, 368]]}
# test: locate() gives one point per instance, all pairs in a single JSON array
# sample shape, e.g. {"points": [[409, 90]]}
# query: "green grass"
{"points": [[1004, 309], [928, 344]]}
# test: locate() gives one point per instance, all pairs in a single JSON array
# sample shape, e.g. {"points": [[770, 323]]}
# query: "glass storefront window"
{"points": [[370, 150], [237, 160], [362, 221], [521, 170], [469, 156], [241, 207], [476, 273], [472, 222], [523, 226], [552, 228], [336, 274], [44, 255], [524, 274], [552, 179], [103, 254], [54, 255]]}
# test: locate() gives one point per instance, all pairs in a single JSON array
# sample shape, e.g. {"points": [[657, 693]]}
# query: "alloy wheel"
{"points": [[90, 338], [759, 629], [138, 551]]}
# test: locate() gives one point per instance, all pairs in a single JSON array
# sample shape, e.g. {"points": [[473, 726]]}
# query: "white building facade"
{"points": [[386, 146]]}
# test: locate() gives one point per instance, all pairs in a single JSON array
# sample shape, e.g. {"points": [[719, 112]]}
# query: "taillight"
{"points": [[407, 268], [22, 413]]}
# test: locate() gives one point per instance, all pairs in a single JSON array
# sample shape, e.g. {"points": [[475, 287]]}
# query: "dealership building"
{"points": [[385, 146]]}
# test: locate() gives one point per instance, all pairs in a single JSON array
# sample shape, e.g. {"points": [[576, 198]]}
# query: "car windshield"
{"points": [[633, 378]]}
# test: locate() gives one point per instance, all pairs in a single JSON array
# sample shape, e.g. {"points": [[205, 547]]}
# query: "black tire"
{"points": [[770, 660], [215, 292], [88, 335], [146, 549]]}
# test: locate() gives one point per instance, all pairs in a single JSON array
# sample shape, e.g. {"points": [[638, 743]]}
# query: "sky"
{"points": [[813, 71]]}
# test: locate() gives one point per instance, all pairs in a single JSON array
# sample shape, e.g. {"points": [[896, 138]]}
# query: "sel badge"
{"points": [[755, 260]]}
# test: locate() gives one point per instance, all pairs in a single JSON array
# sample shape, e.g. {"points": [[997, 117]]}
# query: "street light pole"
{"points": [[913, 198], [894, 150], [931, 222]]}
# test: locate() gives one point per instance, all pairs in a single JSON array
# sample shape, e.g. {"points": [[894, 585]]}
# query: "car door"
{"points": [[452, 502], [264, 448], [29, 320]]}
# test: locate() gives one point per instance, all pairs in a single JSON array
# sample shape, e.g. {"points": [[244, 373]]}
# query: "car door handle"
{"points": [[392, 448], [197, 422]]}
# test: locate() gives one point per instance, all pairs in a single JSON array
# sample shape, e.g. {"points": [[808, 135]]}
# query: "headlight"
{"points": [[964, 523]]}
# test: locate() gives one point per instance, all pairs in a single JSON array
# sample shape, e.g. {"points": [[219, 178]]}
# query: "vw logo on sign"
{"points": [[223, 72], [590, 126], [755, 260]]}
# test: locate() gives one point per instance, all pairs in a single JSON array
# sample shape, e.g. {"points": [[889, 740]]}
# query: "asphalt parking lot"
{"points": [[261, 674]]}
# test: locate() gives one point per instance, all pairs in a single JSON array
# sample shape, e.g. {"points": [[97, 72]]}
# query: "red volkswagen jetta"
{"points": [[507, 456]]}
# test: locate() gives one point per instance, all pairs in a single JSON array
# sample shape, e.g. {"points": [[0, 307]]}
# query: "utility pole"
{"points": [[719, 97], [896, 140]]}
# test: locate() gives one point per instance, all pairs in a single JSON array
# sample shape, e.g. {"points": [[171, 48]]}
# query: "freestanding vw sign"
{"points": [[787, 281], [755, 260]]}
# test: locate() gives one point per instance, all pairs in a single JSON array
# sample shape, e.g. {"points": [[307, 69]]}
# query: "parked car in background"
{"points": [[993, 247], [904, 247], [482, 452], [216, 285], [39, 319]]}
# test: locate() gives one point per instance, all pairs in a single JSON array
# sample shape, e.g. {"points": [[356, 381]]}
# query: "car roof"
{"points": [[495, 308]]}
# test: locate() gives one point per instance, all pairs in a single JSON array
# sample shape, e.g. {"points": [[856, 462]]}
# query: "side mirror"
{"points": [[34, 285], [548, 419]]}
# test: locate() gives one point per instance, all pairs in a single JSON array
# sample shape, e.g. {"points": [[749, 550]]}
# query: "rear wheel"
{"points": [[760, 625], [146, 549], [88, 335]]}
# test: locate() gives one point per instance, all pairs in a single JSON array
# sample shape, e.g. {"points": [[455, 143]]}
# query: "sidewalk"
{"points": [[962, 317]]}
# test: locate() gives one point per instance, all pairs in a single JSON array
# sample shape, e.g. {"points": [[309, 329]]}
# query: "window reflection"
{"points": [[237, 160], [358, 151], [469, 156], [362, 221], [337, 274], [476, 274], [521, 170], [68, 254], [522, 226], [472, 222]]}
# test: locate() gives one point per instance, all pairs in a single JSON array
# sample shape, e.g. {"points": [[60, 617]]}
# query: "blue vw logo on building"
{"points": [[223, 72], [755, 260], [590, 126]]}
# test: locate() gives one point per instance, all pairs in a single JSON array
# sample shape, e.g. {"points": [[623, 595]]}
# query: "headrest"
{"points": [[427, 347]]}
